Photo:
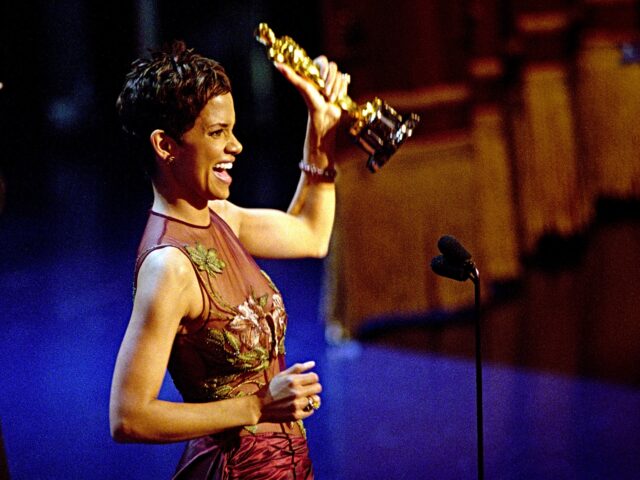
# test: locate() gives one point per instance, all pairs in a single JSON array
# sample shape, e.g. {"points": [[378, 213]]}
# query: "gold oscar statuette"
{"points": [[375, 126]]}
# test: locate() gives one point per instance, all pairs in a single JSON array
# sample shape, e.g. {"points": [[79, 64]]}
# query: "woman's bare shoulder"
{"points": [[167, 262]]}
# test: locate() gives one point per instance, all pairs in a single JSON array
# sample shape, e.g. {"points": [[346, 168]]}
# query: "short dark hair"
{"points": [[168, 91]]}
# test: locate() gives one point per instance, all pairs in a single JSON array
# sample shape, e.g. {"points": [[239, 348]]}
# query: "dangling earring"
{"points": [[170, 159]]}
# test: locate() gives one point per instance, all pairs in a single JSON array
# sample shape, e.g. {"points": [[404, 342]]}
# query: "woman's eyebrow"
{"points": [[216, 124]]}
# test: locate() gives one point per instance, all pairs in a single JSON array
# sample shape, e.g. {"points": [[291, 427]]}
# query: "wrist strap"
{"points": [[322, 174]]}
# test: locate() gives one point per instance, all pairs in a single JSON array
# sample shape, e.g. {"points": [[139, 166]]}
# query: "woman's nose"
{"points": [[234, 146]]}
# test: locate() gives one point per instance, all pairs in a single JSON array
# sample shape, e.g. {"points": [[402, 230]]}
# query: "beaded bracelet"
{"points": [[322, 174]]}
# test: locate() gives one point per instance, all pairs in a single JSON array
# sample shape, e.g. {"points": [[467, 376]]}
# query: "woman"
{"points": [[202, 307]]}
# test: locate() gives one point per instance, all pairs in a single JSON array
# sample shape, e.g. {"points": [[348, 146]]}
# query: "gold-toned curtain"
{"points": [[608, 100], [534, 145], [551, 196], [388, 225], [493, 176]]}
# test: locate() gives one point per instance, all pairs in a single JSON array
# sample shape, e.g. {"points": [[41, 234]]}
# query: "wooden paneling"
{"points": [[399, 45]]}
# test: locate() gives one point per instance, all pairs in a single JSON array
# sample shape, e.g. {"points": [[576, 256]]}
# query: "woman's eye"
{"points": [[216, 133]]}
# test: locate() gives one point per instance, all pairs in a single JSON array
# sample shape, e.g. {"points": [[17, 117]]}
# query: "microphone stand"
{"points": [[455, 263], [474, 275]]}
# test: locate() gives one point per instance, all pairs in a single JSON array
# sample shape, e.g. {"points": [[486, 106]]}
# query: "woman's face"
{"points": [[207, 151]]}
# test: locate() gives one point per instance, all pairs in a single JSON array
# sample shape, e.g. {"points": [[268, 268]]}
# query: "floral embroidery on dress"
{"points": [[247, 343], [279, 322], [206, 259], [248, 324], [253, 333], [221, 387], [248, 336], [229, 347]]}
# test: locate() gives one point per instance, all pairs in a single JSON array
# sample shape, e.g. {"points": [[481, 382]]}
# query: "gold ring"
{"points": [[310, 405], [315, 404]]}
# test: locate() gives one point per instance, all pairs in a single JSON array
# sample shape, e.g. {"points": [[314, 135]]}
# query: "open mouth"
{"points": [[221, 171]]}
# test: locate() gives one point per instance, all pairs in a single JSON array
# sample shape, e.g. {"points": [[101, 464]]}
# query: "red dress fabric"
{"points": [[234, 348], [265, 456]]}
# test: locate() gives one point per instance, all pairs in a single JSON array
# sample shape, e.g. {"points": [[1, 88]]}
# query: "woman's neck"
{"points": [[180, 208]]}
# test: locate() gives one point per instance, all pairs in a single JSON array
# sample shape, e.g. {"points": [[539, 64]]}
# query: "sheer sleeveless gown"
{"points": [[234, 348]]}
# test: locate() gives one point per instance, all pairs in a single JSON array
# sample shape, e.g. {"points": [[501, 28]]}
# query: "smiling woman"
{"points": [[202, 306], [206, 153]]}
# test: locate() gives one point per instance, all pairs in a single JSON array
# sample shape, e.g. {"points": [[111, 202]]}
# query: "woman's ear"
{"points": [[163, 145]]}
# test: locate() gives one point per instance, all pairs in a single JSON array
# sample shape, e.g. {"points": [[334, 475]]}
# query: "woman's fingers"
{"points": [[330, 82], [316, 402], [299, 367], [310, 378], [335, 83], [322, 62], [292, 409], [292, 394], [295, 381], [309, 91], [345, 80], [303, 384], [310, 404]]}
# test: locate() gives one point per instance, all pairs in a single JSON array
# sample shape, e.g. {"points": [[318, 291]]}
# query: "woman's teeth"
{"points": [[223, 166]]}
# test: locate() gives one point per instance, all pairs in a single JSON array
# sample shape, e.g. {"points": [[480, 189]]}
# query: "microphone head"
{"points": [[453, 250], [441, 266]]}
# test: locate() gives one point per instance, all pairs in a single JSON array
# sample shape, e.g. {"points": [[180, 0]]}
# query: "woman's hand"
{"points": [[286, 398], [324, 112]]}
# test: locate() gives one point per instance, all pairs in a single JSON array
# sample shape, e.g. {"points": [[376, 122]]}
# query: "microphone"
{"points": [[453, 251], [455, 261], [444, 268]]}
